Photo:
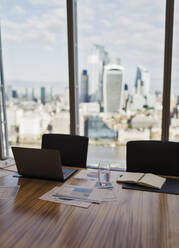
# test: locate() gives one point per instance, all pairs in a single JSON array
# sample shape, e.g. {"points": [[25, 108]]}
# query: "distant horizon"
{"points": [[63, 86]]}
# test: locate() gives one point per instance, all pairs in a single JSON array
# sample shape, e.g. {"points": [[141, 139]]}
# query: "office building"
{"points": [[96, 128], [84, 86], [90, 107], [97, 60], [45, 95], [29, 94], [142, 82], [113, 87], [8, 92], [15, 94], [137, 102], [125, 97]]}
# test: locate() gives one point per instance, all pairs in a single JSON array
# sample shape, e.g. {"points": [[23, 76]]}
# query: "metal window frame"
{"points": [[73, 65], [4, 141], [169, 17]]}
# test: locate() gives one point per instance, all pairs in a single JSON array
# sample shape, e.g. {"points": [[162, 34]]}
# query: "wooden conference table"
{"points": [[136, 219]]}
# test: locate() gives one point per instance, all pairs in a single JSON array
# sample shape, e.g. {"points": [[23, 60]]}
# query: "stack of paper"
{"points": [[78, 195], [82, 196]]}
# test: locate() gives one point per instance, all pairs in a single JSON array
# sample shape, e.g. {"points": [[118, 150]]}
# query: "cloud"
{"points": [[18, 10], [40, 36], [10, 37], [48, 48], [86, 14], [44, 28], [49, 2], [123, 25]]}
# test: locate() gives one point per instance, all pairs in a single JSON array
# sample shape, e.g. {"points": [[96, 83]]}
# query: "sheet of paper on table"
{"points": [[12, 168], [8, 192], [49, 196], [6, 163], [80, 193], [92, 175], [4, 173], [79, 196]]}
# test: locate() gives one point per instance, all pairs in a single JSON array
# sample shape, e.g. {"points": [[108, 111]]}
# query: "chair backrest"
{"points": [[73, 148], [158, 157]]}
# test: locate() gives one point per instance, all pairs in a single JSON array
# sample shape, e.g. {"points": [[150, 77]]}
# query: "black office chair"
{"points": [[73, 148], [158, 157]]}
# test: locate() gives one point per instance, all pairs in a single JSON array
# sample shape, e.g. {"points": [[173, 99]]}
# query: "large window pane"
{"points": [[121, 48], [34, 39], [174, 102]]}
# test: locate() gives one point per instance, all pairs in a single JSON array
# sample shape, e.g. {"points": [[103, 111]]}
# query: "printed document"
{"points": [[52, 196], [4, 173], [92, 175], [79, 193]]}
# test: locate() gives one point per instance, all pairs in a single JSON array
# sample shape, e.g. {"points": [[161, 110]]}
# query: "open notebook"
{"points": [[145, 179]]}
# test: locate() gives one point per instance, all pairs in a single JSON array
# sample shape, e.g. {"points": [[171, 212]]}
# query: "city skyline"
{"points": [[35, 38]]}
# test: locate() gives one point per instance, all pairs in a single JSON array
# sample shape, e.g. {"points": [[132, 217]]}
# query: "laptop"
{"points": [[40, 163]]}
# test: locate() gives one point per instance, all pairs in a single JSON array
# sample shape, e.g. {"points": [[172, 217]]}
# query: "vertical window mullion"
{"points": [[167, 68], [4, 143], [73, 65]]}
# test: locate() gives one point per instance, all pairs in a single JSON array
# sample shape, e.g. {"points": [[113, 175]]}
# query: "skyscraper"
{"points": [[142, 82], [84, 86], [125, 97], [45, 95], [42, 95], [97, 60], [113, 87]]}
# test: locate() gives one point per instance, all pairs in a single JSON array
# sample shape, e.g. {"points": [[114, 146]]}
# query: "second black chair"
{"points": [[158, 157], [73, 148]]}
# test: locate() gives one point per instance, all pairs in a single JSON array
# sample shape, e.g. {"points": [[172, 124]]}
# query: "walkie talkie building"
{"points": [[113, 87]]}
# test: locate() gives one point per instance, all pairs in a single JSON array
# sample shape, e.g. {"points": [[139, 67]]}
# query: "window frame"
{"points": [[169, 17]]}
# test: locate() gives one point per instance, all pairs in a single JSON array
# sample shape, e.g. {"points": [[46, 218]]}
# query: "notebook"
{"points": [[40, 163], [145, 179]]}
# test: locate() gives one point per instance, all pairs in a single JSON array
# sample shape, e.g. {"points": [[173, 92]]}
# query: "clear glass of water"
{"points": [[104, 173]]}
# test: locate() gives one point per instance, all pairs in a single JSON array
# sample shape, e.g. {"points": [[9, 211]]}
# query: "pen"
{"points": [[63, 198]]}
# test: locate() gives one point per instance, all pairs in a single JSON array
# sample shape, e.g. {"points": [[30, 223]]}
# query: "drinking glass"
{"points": [[104, 174]]}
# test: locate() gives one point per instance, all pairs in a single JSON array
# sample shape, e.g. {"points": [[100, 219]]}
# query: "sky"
{"points": [[34, 38]]}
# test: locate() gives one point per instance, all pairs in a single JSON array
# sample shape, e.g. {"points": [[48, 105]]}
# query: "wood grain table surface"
{"points": [[135, 219]]}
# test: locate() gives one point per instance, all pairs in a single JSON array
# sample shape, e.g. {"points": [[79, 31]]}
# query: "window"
{"points": [[34, 41], [120, 76], [121, 53]]}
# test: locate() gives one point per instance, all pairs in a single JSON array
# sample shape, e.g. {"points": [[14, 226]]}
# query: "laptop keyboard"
{"points": [[67, 172]]}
